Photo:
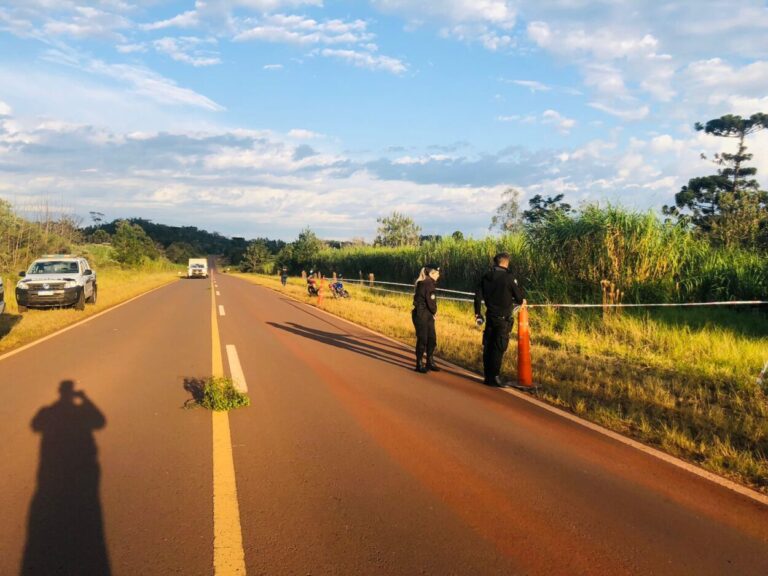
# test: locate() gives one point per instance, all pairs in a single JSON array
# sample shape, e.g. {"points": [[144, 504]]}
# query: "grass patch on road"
{"points": [[682, 380], [215, 393], [115, 286]]}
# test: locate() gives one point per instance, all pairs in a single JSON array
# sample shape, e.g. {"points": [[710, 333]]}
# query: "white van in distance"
{"points": [[197, 268]]}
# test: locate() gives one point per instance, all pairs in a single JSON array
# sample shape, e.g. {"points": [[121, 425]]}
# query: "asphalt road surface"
{"points": [[347, 462]]}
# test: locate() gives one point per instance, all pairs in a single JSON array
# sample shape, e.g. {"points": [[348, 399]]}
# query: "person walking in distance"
{"points": [[500, 291], [283, 276], [423, 315]]}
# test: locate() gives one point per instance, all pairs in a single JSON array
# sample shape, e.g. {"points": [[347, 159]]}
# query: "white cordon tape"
{"points": [[655, 305], [367, 284], [364, 282]]}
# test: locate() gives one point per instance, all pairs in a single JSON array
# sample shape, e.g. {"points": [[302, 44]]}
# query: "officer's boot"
{"points": [[431, 364], [420, 368]]}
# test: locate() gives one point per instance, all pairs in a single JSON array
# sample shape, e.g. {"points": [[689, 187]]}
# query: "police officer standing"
{"points": [[500, 291], [423, 315]]}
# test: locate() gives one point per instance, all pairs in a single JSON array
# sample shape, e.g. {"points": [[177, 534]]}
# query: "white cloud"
{"points": [[131, 48], [526, 119], [722, 83], [86, 22], [497, 12], [633, 113], [253, 183], [601, 44], [273, 67], [666, 144], [265, 5], [293, 29], [606, 56], [563, 124], [605, 79], [142, 81], [189, 19], [221, 12], [188, 50], [533, 85], [367, 60], [5, 109], [16, 25], [488, 37], [487, 22], [421, 160], [301, 134]]}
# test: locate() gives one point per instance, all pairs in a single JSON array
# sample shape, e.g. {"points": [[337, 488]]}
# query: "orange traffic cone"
{"points": [[524, 375]]}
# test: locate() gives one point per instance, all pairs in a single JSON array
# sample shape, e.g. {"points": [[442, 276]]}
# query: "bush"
{"points": [[218, 394], [132, 244], [100, 237]]}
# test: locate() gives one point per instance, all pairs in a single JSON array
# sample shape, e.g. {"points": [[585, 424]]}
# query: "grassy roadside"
{"points": [[115, 286], [681, 380]]}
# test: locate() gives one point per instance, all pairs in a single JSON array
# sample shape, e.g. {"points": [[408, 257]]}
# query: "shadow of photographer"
{"points": [[65, 531]]}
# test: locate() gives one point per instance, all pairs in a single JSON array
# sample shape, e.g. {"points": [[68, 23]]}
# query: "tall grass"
{"points": [[564, 259]]}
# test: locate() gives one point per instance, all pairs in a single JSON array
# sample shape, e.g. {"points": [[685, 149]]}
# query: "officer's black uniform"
{"points": [[424, 310], [500, 291]]}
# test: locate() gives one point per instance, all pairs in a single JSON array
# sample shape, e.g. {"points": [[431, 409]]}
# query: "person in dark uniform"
{"points": [[283, 275], [423, 315], [500, 291]]}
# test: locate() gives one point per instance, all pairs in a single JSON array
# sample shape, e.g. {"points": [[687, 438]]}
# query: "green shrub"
{"points": [[219, 394]]}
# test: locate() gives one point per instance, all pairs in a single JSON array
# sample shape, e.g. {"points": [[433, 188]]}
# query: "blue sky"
{"points": [[261, 117]]}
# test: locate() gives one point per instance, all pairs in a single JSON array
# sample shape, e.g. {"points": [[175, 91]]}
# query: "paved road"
{"points": [[347, 462]]}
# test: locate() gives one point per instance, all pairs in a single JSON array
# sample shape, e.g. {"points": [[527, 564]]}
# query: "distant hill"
{"points": [[182, 242]]}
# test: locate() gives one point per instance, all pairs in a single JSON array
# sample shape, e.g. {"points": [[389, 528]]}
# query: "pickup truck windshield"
{"points": [[53, 267]]}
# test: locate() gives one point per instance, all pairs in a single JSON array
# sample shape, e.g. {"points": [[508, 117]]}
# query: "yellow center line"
{"points": [[228, 554]]}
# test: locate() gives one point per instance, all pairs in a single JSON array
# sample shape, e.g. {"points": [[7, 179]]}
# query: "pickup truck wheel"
{"points": [[94, 294], [80, 304]]}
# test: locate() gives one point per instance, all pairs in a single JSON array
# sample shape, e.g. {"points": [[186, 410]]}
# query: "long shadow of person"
{"points": [[65, 533]]}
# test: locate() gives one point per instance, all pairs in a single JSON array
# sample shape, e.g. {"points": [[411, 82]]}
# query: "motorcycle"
{"points": [[337, 289], [312, 287]]}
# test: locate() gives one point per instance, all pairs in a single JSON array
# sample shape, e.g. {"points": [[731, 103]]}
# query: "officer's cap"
{"points": [[430, 267]]}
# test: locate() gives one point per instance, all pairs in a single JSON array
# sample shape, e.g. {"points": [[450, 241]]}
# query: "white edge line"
{"points": [[677, 462], [221, 310], [81, 322], [235, 369]]}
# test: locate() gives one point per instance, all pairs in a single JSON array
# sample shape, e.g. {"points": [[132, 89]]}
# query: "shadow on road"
{"points": [[65, 532], [345, 342], [196, 388], [386, 352], [371, 348], [7, 322]]}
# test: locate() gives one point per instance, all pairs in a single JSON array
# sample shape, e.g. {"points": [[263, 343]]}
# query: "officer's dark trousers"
{"points": [[426, 338], [495, 343]]}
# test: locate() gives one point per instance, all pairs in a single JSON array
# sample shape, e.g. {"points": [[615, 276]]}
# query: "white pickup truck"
{"points": [[197, 268], [56, 281]]}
